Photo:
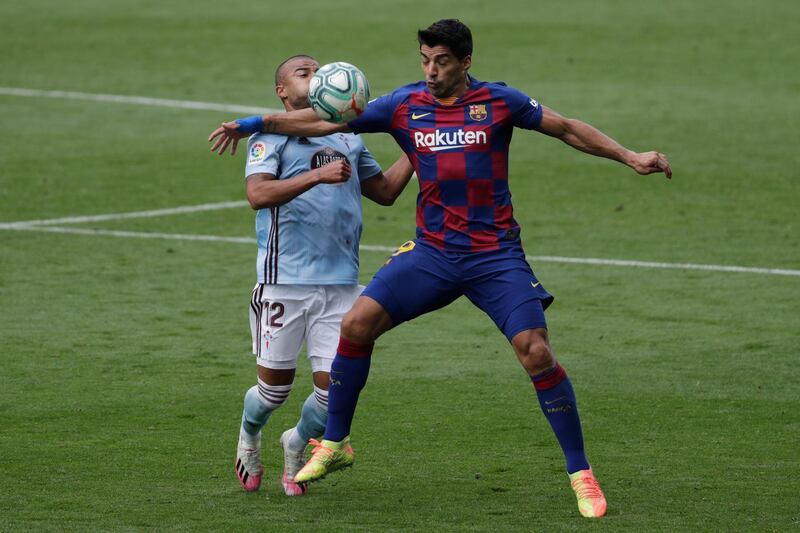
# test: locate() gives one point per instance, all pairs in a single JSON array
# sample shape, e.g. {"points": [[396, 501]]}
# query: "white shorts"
{"points": [[282, 317]]}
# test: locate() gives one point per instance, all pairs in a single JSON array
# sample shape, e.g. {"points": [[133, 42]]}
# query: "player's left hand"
{"points": [[650, 162], [227, 134]]}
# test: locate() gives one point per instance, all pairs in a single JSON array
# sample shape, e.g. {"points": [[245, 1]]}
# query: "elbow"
{"points": [[381, 196], [387, 199], [385, 202], [257, 203]]}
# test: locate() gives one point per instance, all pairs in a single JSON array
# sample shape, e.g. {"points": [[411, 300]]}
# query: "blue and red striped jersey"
{"points": [[460, 154]]}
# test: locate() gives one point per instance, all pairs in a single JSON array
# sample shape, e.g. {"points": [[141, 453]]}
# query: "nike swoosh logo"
{"points": [[534, 285], [554, 401], [414, 116]]}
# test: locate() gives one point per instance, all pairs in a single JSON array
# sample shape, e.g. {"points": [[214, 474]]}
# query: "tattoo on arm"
{"points": [[269, 126]]}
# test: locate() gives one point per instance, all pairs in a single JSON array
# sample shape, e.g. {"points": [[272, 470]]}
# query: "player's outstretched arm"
{"points": [[384, 187], [265, 190], [300, 123], [589, 139]]}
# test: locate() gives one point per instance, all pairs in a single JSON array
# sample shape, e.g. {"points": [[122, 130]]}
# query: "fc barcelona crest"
{"points": [[478, 112]]}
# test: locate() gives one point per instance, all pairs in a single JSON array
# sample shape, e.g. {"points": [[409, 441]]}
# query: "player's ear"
{"points": [[281, 92], [466, 62]]}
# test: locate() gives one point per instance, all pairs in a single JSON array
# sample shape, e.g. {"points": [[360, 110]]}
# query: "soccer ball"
{"points": [[338, 92]]}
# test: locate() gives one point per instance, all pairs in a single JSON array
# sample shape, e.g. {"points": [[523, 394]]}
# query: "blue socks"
{"points": [[259, 402], [312, 419], [557, 400], [349, 373], [255, 413]]}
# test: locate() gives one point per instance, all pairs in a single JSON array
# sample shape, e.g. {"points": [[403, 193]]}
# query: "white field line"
{"points": [[388, 249], [134, 234], [121, 216], [654, 264], [136, 100], [49, 225]]}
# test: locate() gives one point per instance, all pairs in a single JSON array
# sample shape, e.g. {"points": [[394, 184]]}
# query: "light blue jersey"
{"points": [[312, 239]]}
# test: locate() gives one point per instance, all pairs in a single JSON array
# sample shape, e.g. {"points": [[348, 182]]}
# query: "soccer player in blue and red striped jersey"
{"points": [[456, 132]]}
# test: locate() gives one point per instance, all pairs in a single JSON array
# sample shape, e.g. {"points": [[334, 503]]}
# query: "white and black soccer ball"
{"points": [[338, 92]]}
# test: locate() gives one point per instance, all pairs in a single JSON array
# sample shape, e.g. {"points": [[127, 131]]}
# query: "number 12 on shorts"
{"points": [[274, 312]]}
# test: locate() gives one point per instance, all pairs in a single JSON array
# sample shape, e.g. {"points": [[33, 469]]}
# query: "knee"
{"points": [[357, 327], [537, 356]]}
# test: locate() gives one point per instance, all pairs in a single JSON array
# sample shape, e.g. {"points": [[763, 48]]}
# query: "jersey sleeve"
{"points": [[367, 166], [525, 111], [377, 117], [264, 154]]}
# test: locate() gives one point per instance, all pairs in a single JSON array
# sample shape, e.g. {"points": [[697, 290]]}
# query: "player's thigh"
{"points": [[324, 323], [507, 290], [414, 280], [278, 324]]}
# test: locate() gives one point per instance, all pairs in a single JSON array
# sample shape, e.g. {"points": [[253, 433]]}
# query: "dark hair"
{"points": [[279, 74], [452, 33]]}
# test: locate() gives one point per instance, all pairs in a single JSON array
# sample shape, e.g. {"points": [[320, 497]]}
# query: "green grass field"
{"points": [[123, 360]]}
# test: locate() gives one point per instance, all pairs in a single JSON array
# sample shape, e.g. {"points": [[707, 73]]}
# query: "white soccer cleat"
{"points": [[293, 461], [248, 466]]}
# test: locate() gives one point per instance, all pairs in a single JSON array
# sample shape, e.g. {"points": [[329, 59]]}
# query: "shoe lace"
{"points": [[320, 450], [587, 487]]}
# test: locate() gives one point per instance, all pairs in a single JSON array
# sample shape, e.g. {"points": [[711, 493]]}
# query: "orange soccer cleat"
{"points": [[591, 502]]}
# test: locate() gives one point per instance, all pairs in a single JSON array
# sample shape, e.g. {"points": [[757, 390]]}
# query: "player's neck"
{"points": [[459, 91]]}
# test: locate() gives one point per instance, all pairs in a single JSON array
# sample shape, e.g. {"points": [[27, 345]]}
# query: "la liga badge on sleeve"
{"points": [[257, 152]]}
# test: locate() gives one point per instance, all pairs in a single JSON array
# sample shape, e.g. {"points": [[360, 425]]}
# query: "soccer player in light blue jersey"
{"points": [[308, 195]]}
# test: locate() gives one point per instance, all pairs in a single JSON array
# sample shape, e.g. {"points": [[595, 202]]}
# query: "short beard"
{"points": [[449, 91], [299, 103]]}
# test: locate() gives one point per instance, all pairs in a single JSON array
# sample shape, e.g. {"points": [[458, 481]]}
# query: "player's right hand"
{"points": [[335, 172], [227, 134], [650, 162]]}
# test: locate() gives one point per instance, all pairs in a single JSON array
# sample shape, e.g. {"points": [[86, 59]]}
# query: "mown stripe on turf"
{"points": [[389, 249]]}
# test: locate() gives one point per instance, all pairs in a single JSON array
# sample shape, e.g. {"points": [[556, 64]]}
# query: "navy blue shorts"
{"points": [[419, 278]]}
